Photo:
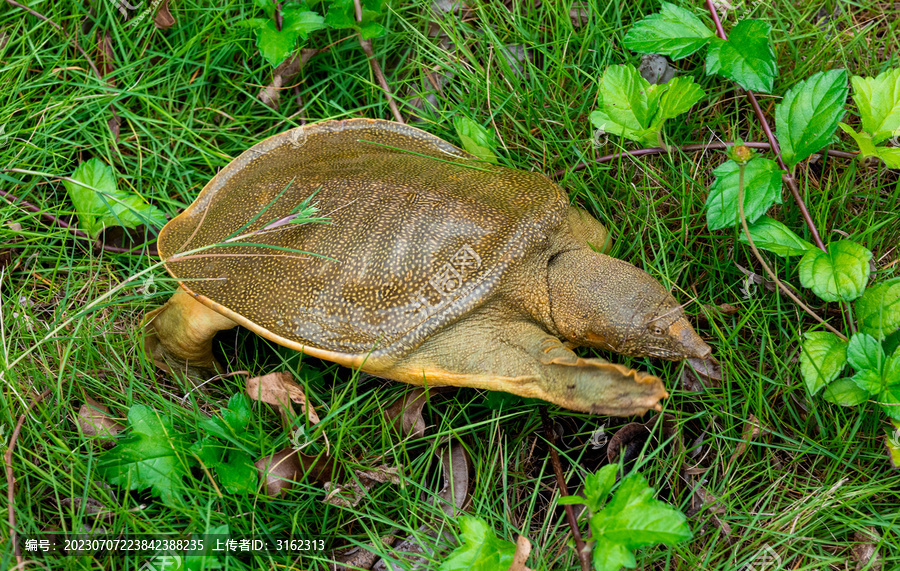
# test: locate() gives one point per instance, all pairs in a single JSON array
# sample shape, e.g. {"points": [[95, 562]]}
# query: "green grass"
{"points": [[186, 98]]}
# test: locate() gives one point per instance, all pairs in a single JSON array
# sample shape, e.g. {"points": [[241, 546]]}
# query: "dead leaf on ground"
{"points": [[280, 390], [406, 413], [349, 495], [281, 75], [633, 435], [95, 421], [865, 550], [163, 19], [701, 374], [523, 550], [579, 14], [285, 467], [752, 429]]}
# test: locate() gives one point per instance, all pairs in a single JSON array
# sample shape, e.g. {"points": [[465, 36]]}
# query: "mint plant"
{"points": [[480, 549], [277, 35], [631, 519], [747, 186], [157, 456]]}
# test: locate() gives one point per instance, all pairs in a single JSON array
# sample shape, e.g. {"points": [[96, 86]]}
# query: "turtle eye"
{"points": [[656, 330]]}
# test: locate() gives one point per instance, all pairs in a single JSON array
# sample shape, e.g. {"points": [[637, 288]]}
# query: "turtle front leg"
{"points": [[523, 359], [178, 336]]}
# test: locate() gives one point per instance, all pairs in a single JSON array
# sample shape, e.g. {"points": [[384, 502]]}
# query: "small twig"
{"points": [[788, 178], [10, 478], [15, 200], [580, 547], [366, 46], [62, 31], [765, 266], [716, 145]]}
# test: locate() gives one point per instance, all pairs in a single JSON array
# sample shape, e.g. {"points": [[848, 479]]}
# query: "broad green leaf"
{"points": [[762, 189], [845, 392], [610, 556], [674, 32], [746, 57], [100, 204], [890, 156], [822, 359], [865, 352], [476, 139], [598, 485], [772, 235], [237, 474], [341, 14], [153, 456], [891, 343], [806, 118], [677, 97], [625, 105], [840, 274], [480, 549], [878, 309], [867, 149], [892, 441], [878, 101], [276, 46], [633, 518], [234, 419], [889, 399]]}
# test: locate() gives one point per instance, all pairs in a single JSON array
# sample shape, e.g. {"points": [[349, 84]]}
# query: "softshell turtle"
{"points": [[434, 268]]}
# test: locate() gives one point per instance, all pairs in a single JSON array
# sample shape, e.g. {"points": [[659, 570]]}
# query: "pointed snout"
{"points": [[692, 345]]}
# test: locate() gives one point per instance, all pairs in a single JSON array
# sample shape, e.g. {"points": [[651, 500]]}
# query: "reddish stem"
{"points": [[788, 178]]}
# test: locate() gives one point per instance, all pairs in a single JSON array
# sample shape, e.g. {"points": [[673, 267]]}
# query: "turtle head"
{"points": [[603, 302]]}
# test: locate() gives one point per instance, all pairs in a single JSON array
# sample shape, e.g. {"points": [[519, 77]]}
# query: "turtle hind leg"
{"points": [[522, 359], [178, 336]]}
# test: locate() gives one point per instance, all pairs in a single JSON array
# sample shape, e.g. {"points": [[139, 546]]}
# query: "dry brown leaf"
{"points": [[163, 19], [286, 70], [351, 494], [106, 61], [94, 420], [406, 413], [523, 550], [455, 493], [865, 550], [752, 429], [579, 13], [280, 390], [286, 466]]}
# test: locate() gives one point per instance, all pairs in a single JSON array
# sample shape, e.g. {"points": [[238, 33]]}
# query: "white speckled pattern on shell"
{"points": [[414, 240]]}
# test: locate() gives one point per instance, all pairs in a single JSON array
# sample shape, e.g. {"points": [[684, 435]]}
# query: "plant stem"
{"points": [[788, 178], [765, 266], [366, 46]]}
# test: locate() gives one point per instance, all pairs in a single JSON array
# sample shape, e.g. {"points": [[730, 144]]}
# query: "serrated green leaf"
{"points": [[746, 58], [890, 156], [153, 455], [878, 309], [845, 392], [267, 5], [480, 549], [840, 274], [674, 32], [889, 399], [677, 97], [100, 204], [822, 359], [277, 45], [610, 556], [633, 518], [775, 237], [865, 352], [762, 189], [878, 101], [476, 139], [625, 104], [237, 474], [233, 421], [598, 485], [806, 118]]}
